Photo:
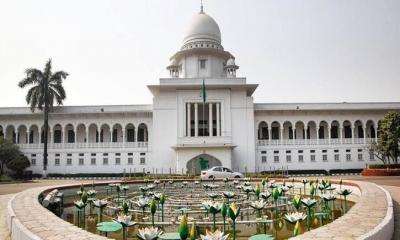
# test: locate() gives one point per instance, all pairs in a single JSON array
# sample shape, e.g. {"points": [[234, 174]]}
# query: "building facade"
{"points": [[182, 133]]}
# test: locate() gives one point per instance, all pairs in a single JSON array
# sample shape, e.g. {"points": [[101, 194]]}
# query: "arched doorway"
{"points": [[201, 162]]}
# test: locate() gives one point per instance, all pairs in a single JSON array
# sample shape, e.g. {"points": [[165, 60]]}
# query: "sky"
{"points": [[297, 51]]}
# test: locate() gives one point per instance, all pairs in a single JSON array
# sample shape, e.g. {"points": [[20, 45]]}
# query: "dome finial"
{"points": [[201, 6]]}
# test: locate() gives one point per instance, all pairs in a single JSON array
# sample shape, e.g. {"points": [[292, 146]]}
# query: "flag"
{"points": [[203, 94]]}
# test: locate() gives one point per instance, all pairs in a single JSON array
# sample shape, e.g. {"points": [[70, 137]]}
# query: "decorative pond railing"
{"points": [[167, 209]]}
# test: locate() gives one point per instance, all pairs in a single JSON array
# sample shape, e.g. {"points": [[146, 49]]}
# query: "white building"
{"points": [[177, 129]]}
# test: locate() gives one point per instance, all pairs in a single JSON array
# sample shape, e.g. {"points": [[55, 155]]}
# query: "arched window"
{"points": [[263, 131], [142, 133]]}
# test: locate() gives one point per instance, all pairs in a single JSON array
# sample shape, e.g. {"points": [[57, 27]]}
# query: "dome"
{"points": [[202, 28], [231, 62]]}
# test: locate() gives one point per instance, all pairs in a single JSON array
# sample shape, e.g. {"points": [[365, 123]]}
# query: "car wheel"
{"points": [[211, 177], [237, 176]]}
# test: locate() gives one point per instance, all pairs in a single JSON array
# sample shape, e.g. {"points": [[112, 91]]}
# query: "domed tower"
{"points": [[201, 54]]}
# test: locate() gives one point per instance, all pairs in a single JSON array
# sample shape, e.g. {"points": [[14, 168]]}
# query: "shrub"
{"points": [[384, 166], [18, 165]]}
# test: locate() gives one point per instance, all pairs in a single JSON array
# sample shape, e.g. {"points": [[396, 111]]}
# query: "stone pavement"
{"points": [[4, 233], [395, 193]]}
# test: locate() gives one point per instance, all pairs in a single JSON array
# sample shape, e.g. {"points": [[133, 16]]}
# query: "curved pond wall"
{"points": [[370, 218]]}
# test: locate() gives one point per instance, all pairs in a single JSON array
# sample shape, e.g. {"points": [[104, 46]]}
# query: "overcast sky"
{"points": [[297, 51]]}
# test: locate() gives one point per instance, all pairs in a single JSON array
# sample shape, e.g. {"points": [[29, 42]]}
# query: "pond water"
{"points": [[188, 199]]}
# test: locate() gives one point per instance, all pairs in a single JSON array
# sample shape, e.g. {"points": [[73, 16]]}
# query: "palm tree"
{"points": [[46, 88]]}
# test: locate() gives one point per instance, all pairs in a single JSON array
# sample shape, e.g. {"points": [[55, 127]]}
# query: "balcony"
{"points": [[86, 145], [333, 141]]}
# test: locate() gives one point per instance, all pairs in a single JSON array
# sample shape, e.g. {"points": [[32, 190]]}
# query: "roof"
{"points": [[327, 106], [80, 109]]}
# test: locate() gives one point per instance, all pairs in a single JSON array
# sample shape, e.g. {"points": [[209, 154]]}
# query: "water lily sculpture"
{"points": [[183, 228], [258, 205], [100, 204], [247, 190], [149, 233], [91, 193], [295, 217], [217, 235], [213, 208], [345, 193], [142, 203], [228, 195], [125, 221], [266, 195], [309, 204], [213, 195], [234, 211], [236, 182], [157, 182], [327, 198], [144, 190]]}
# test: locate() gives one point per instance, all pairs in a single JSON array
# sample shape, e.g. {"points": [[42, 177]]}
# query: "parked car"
{"points": [[219, 172]]}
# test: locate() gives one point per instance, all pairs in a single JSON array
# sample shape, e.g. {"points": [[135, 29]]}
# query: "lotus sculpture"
{"points": [[266, 195], [309, 204], [150, 233], [229, 195], [100, 204], [142, 203], [258, 206], [295, 217], [217, 235], [345, 193]]}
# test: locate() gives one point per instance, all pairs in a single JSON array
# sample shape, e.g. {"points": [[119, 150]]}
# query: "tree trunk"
{"points": [[46, 127]]}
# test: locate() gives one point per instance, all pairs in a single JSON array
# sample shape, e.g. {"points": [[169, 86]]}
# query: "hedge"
{"points": [[384, 166]]}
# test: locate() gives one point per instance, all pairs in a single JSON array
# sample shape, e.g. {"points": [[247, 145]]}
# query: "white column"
{"points": [[365, 134], [76, 135], [293, 134], [218, 120], [63, 135], [27, 137], [123, 134], [269, 133], [341, 134], [16, 136], [329, 135], [318, 134], [188, 124], [281, 136], [353, 131], [196, 120], [210, 119], [376, 134]]}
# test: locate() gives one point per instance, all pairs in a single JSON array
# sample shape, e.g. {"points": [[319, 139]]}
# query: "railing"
{"points": [[86, 145], [332, 141]]}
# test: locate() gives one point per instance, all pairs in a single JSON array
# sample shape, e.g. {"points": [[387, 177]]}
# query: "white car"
{"points": [[219, 172]]}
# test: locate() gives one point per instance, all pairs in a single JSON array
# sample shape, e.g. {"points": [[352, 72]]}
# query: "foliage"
{"points": [[18, 165], [12, 158], [383, 166], [387, 148], [46, 89]]}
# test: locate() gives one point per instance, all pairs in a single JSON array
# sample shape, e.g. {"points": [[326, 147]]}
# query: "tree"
{"points": [[46, 89], [18, 165], [387, 148], [8, 152]]}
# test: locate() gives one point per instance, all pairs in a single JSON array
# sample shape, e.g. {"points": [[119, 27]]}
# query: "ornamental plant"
{"points": [[234, 211], [162, 201], [153, 209], [183, 228], [257, 191], [224, 212]]}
